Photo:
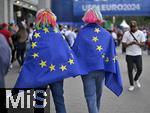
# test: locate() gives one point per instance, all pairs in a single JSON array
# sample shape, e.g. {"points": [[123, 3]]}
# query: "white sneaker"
{"points": [[131, 88], [138, 84]]}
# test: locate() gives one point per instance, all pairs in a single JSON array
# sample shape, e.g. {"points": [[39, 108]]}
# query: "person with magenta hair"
{"points": [[95, 50], [48, 62]]}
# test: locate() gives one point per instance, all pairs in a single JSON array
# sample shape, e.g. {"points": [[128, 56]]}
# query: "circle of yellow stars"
{"points": [[43, 63]]}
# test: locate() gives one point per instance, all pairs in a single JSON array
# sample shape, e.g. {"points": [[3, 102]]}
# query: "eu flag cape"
{"points": [[95, 50], [50, 59]]}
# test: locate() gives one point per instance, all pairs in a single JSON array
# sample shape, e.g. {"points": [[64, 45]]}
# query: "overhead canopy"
{"points": [[124, 24]]}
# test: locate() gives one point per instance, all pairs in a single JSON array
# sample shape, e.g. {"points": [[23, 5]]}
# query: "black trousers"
{"points": [[20, 56], [13, 55], [21, 49], [131, 61]]}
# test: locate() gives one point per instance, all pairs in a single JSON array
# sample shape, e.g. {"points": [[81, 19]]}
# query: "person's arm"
{"points": [[141, 44], [70, 39], [128, 44], [142, 41]]}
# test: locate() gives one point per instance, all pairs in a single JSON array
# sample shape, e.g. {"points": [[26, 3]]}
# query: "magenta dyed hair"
{"points": [[93, 15]]}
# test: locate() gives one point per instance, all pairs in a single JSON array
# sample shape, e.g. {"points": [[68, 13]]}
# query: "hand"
{"points": [[139, 44], [133, 42]]}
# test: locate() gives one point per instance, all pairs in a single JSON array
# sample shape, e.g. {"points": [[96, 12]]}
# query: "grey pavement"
{"points": [[137, 101]]}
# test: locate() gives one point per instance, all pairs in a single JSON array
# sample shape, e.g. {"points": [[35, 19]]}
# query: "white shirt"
{"points": [[71, 38], [114, 35], [134, 49], [67, 33]]}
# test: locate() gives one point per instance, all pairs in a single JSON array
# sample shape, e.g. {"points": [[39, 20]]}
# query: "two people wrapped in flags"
{"points": [[50, 59]]}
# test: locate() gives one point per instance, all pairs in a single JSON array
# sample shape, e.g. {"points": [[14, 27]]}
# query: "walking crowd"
{"points": [[88, 52]]}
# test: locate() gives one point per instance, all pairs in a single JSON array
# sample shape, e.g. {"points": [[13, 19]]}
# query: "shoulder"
{"points": [[140, 32], [127, 33]]}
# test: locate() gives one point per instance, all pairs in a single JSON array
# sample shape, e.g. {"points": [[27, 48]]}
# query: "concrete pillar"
{"points": [[2, 11], [6, 11], [11, 10], [44, 4]]}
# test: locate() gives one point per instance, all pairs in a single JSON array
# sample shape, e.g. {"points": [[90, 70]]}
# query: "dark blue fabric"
{"points": [[5, 55], [91, 58], [52, 48]]}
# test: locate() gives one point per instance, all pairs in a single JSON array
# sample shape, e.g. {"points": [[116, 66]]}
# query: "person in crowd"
{"points": [[7, 34], [71, 37], [133, 41], [95, 50], [30, 33], [146, 39], [119, 35], [114, 35], [4, 59], [21, 38], [148, 45], [67, 34], [48, 62], [13, 29], [61, 29], [5, 56]]}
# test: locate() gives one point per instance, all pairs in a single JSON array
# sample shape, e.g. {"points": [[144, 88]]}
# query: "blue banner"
{"points": [[113, 7]]}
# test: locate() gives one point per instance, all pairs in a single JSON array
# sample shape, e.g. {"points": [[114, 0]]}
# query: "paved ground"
{"points": [[129, 102]]}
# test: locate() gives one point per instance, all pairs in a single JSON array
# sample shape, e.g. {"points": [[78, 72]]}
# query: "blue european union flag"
{"points": [[50, 59], [95, 50]]}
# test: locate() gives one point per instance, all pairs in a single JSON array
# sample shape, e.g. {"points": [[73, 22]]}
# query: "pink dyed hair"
{"points": [[45, 17], [93, 15]]}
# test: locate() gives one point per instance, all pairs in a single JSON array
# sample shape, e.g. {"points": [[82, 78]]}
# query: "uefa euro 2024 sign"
{"points": [[114, 7]]}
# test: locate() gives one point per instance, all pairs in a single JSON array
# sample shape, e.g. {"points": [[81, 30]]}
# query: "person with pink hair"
{"points": [[45, 18], [94, 48], [48, 62]]}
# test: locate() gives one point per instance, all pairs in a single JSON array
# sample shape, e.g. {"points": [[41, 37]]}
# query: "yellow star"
{"points": [[99, 48], [52, 67], [107, 59], [34, 44], [95, 39], [103, 55], [42, 63], [35, 55], [71, 61], [63, 67], [37, 35], [97, 30], [46, 30]]}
